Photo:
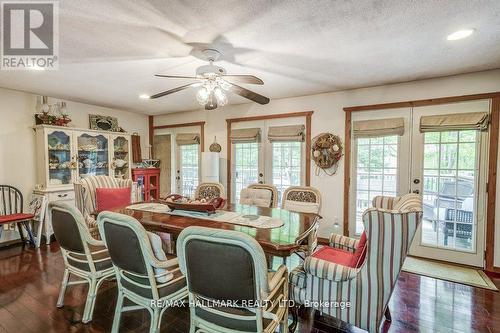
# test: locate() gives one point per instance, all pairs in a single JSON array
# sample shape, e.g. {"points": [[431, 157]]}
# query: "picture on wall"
{"points": [[104, 123]]}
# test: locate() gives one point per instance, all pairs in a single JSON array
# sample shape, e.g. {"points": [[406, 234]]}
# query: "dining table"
{"points": [[281, 241]]}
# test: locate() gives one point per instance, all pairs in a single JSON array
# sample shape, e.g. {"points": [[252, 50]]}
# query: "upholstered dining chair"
{"points": [[362, 275], [84, 256], [242, 295], [11, 211], [85, 197], [145, 276], [262, 195], [209, 190], [304, 199]]}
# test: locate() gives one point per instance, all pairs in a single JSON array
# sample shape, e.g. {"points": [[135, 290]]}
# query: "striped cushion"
{"points": [[409, 203]]}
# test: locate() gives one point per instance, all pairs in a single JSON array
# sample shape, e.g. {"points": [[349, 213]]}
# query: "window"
{"points": [[449, 186], [246, 166], [376, 172], [286, 165], [189, 157]]}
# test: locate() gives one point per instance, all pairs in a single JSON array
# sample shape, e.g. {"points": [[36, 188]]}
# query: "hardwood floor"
{"points": [[30, 280]]}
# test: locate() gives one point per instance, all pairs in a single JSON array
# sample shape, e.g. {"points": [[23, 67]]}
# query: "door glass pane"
{"points": [[376, 172], [246, 166], [59, 158], [189, 169], [449, 189], [121, 157], [286, 165], [92, 155]]}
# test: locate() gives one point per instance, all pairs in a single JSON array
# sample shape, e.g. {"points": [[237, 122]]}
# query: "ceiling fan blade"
{"points": [[248, 94], [171, 91], [177, 76], [211, 103], [243, 79]]}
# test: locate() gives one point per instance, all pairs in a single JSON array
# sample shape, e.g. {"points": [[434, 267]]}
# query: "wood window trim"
{"points": [[230, 121], [152, 128], [492, 159]]}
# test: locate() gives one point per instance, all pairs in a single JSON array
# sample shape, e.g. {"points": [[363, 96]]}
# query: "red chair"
{"points": [[11, 211]]}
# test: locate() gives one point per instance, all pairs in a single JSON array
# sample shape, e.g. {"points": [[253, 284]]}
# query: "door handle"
{"points": [[416, 181]]}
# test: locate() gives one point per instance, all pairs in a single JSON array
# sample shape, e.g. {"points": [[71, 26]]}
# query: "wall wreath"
{"points": [[326, 152]]}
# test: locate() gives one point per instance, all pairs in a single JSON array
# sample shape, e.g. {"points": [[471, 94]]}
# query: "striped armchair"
{"points": [[85, 197], [359, 296]]}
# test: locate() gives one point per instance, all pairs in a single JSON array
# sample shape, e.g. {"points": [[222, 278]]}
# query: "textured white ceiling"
{"points": [[110, 50]]}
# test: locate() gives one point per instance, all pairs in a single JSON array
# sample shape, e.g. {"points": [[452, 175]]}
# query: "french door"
{"points": [[280, 163], [447, 167], [248, 166], [449, 170], [187, 173]]}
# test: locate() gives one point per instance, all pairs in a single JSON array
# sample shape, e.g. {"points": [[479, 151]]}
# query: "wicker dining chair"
{"points": [[263, 195], [145, 276], [209, 190], [84, 256], [240, 295], [304, 199]]}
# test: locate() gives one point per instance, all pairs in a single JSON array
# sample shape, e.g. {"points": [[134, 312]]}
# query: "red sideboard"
{"points": [[148, 180]]}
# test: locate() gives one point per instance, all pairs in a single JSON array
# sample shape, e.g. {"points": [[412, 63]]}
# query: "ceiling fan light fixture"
{"points": [[202, 95], [220, 96]]}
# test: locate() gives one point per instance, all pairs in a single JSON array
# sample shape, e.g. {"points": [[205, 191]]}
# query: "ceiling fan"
{"points": [[214, 82]]}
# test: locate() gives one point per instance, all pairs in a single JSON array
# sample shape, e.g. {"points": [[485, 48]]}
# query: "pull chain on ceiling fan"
{"points": [[214, 83]]}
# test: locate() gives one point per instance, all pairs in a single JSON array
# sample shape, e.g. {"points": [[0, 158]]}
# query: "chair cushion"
{"points": [[334, 255], [301, 207], [84, 266], [359, 255], [256, 197], [146, 292], [15, 217], [111, 198], [156, 246], [231, 323]]}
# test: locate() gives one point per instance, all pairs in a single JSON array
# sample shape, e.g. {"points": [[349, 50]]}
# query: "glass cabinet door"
{"points": [[121, 157], [92, 155], [59, 158]]}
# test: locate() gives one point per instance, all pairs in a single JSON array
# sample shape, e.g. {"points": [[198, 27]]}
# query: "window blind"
{"points": [[454, 122], [378, 127], [286, 133], [187, 139], [245, 135]]}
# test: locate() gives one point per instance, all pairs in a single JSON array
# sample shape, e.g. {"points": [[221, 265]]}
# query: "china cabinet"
{"points": [[66, 155]]}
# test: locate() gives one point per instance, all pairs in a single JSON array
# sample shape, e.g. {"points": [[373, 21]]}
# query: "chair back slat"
{"points": [[12, 200]]}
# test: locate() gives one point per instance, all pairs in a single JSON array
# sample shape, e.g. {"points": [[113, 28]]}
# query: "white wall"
{"points": [[17, 138], [329, 117]]}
